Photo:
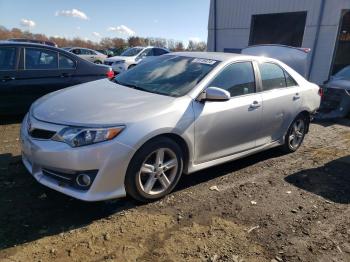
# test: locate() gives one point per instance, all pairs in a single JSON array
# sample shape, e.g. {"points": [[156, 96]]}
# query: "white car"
{"points": [[132, 56], [87, 54]]}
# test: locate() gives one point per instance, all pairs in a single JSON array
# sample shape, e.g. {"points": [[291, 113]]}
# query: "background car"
{"points": [[87, 54], [132, 56], [336, 96], [28, 71]]}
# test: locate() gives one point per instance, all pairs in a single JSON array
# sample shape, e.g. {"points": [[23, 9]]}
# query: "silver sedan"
{"points": [[177, 114]]}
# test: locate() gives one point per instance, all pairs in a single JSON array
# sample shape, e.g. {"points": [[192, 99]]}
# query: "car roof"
{"points": [[219, 56], [15, 43]]}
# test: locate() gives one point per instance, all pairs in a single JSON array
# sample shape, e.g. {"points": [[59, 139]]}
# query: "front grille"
{"points": [[41, 133], [63, 177], [331, 99]]}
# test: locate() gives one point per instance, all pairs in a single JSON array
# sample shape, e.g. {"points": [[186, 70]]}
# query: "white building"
{"points": [[322, 25]]}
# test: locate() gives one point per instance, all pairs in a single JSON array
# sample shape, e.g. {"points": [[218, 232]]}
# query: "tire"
{"points": [[98, 62], [146, 180], [295, 134], [131, 66]]}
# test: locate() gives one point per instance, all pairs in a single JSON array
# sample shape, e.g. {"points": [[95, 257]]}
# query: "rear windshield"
{"points": [[169, 75]]}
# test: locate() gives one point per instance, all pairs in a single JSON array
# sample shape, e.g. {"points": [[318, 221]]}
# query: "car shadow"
{"points": [[12, 119], [31, 211], [331, 181], [227, 168], [330, 122]]}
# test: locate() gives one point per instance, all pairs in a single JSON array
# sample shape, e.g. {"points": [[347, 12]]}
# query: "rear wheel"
{"points": [[296, 134], [155, 170], [98, 62]]}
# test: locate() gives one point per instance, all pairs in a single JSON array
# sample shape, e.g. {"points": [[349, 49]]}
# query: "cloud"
{"points": [[78, 28], [72, 13], [27, 22], [122, 29], [195, 39], [96, 34]]}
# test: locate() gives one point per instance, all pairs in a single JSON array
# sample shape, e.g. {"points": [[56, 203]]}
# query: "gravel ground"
{"points": [[266, 207]]}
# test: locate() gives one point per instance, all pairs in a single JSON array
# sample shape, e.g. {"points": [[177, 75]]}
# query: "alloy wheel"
{"points": [[158, 171], [297, 133]]}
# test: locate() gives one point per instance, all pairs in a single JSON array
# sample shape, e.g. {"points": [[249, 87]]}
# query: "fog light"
{"points": [[83, 180]]}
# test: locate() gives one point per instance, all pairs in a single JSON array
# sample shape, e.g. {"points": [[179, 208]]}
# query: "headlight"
{"points": [[76, 137]]}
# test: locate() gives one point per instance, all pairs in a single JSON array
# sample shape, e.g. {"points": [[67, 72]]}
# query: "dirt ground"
{"points": [[266, 207]]}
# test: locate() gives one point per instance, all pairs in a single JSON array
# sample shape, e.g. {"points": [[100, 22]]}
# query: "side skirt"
{"points": [[194, 168]]}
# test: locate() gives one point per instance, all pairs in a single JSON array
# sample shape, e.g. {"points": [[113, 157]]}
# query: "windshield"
{"points": [[344, 73], [167, 75], [132, 51]]}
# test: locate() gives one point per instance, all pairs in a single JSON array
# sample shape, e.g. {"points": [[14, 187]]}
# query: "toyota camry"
{"points": [[176, 114]]}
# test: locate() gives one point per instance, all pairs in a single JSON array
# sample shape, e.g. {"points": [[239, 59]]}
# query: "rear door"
{"points": [[280, 100], [88, 55], [9, 56], [226, 128], [39, 74]]}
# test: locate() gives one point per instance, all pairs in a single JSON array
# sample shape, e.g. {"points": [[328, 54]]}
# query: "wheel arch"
{"points": [[176, 138]]}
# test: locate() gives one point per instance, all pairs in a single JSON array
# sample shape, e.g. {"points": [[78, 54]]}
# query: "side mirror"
{"points": [[214, 94]]}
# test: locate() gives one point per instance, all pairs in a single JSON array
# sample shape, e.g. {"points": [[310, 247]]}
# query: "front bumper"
{"points": [[109, 159], [119, 68]]}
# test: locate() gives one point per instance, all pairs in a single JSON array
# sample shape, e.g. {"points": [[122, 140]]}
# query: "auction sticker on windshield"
{"points": [[204, 61]]}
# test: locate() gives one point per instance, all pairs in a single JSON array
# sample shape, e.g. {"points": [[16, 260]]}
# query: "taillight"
{"points": [[110, 74], [320, 92]]}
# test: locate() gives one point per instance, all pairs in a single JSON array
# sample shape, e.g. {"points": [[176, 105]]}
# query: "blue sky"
{"points": [[92, 19]]}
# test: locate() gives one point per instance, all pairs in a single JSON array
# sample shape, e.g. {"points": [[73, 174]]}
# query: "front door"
{"points": [[8, 67], [226, 128]]}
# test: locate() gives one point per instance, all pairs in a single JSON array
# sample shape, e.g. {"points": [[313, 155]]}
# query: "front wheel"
{"points": [[155, 170], [295, 134], [98, 62]]}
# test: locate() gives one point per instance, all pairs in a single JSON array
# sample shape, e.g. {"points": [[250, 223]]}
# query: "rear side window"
{"points": [[159, 51], [7, 58], [65, 62], [272, 76], [237, 78], [36, 58], [289, 80]]}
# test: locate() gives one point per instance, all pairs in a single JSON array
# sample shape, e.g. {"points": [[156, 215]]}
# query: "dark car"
{"points": [[25, 40], [29, 71], [336, 96]]}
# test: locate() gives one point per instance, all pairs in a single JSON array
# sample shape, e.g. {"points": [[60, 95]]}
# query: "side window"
{"points": [[289, 80], [65, 62], [272, 76], [7, 58], [76, 51], [237, 78], [158, 51], [36, 58]]}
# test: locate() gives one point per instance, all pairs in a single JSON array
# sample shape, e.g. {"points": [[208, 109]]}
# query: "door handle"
{"points": [[254, 105], [7, 78], [296, 96], [65, 75]]}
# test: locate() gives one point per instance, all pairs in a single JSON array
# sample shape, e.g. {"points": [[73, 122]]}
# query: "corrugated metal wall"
{"points": [[234, 19]]}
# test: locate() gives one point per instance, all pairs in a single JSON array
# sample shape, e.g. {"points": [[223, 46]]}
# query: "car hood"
{"points": [[339, 84], [99, 103]]}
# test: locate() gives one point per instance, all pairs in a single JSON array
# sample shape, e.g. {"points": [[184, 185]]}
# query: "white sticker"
{"points": [[204, 61]]}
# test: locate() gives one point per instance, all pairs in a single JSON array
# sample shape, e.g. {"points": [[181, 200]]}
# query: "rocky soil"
{"points": [[266, 207]]}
